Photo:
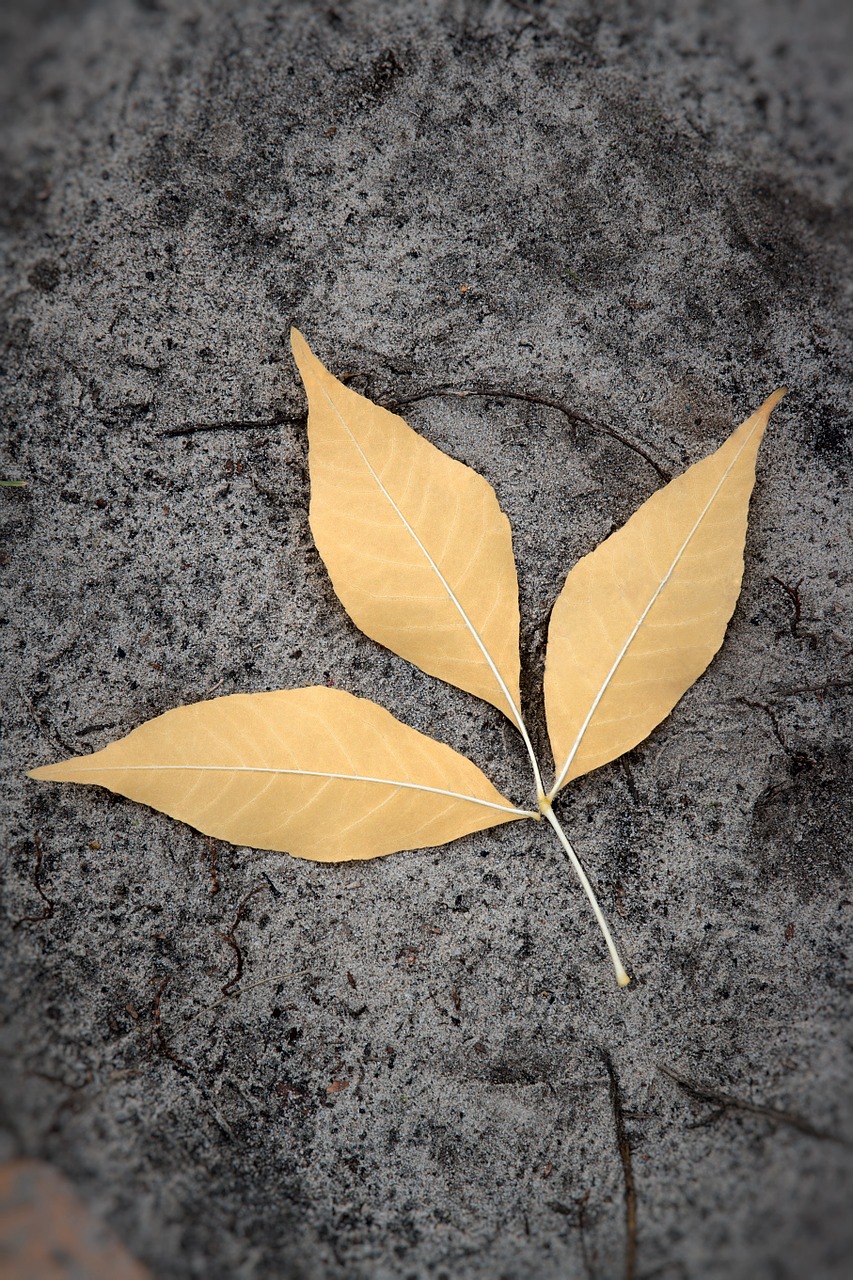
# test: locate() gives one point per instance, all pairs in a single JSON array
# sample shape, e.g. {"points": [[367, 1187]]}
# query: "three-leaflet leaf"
{"points": [[420, 554]]}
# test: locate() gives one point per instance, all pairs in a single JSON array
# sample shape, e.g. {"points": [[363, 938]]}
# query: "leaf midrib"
{"points": [[303, 773]]}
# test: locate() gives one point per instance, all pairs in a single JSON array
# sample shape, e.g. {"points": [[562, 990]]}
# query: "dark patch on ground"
{"points": [[802, 831]]}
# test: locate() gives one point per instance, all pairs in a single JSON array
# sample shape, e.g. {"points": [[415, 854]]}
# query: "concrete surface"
{"points": [[637, 210]]}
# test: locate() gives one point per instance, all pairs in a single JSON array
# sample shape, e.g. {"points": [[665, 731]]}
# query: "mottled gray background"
{"points": [[637, 210]]}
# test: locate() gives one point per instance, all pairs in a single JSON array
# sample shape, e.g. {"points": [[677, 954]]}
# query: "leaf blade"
{"points": [[417, 547], [313, 772], [664, 586]]}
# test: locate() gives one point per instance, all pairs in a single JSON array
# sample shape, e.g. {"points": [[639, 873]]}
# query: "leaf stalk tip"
{"points": [[622, 976]]}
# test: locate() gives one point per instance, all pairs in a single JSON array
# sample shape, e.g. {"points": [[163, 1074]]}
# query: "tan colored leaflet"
{"points": [[314, 772], [417, 547], [640, 618]]}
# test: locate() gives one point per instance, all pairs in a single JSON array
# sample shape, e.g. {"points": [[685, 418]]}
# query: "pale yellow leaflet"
{"points": [[313, 772], [417, 547], [640, 618]]}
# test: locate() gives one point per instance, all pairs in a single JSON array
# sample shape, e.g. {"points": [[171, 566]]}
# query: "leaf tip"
{"points": [[58, 772], [306, 362], [41, 774]]}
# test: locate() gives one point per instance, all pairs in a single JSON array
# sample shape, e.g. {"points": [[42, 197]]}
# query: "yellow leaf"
{"points": [[314, 772], [417, 547], [640, 618]]}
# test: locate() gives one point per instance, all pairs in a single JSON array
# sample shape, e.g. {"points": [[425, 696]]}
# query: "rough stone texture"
{"points": [[637, 209]]}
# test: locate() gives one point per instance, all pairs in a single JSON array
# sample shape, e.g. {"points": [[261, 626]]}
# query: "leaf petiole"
{"points": [[621, 975]]}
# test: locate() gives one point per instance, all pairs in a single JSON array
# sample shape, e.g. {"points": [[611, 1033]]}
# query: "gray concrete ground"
{"points": [[634, 209]]}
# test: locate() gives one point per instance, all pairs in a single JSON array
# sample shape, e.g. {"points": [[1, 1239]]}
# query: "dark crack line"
{"points": [[727, 1102], [777, 732], [793, 594], [502, 393], [45, 729], [214, 873], [797, 756], [228, 988], [265, 424], [627, 1166], [529, 397], [160, 1036], [48, 903], [819, 689]]}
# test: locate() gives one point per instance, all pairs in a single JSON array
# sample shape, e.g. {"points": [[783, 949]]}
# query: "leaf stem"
{"points": [[621, 975]]}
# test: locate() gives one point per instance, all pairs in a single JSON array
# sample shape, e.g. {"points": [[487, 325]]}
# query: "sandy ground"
{"points": [[421, 1066]]}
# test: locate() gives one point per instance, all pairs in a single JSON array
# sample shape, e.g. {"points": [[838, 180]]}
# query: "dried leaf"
{"points": [[314, 772], [639, 619], [417, 547]]}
